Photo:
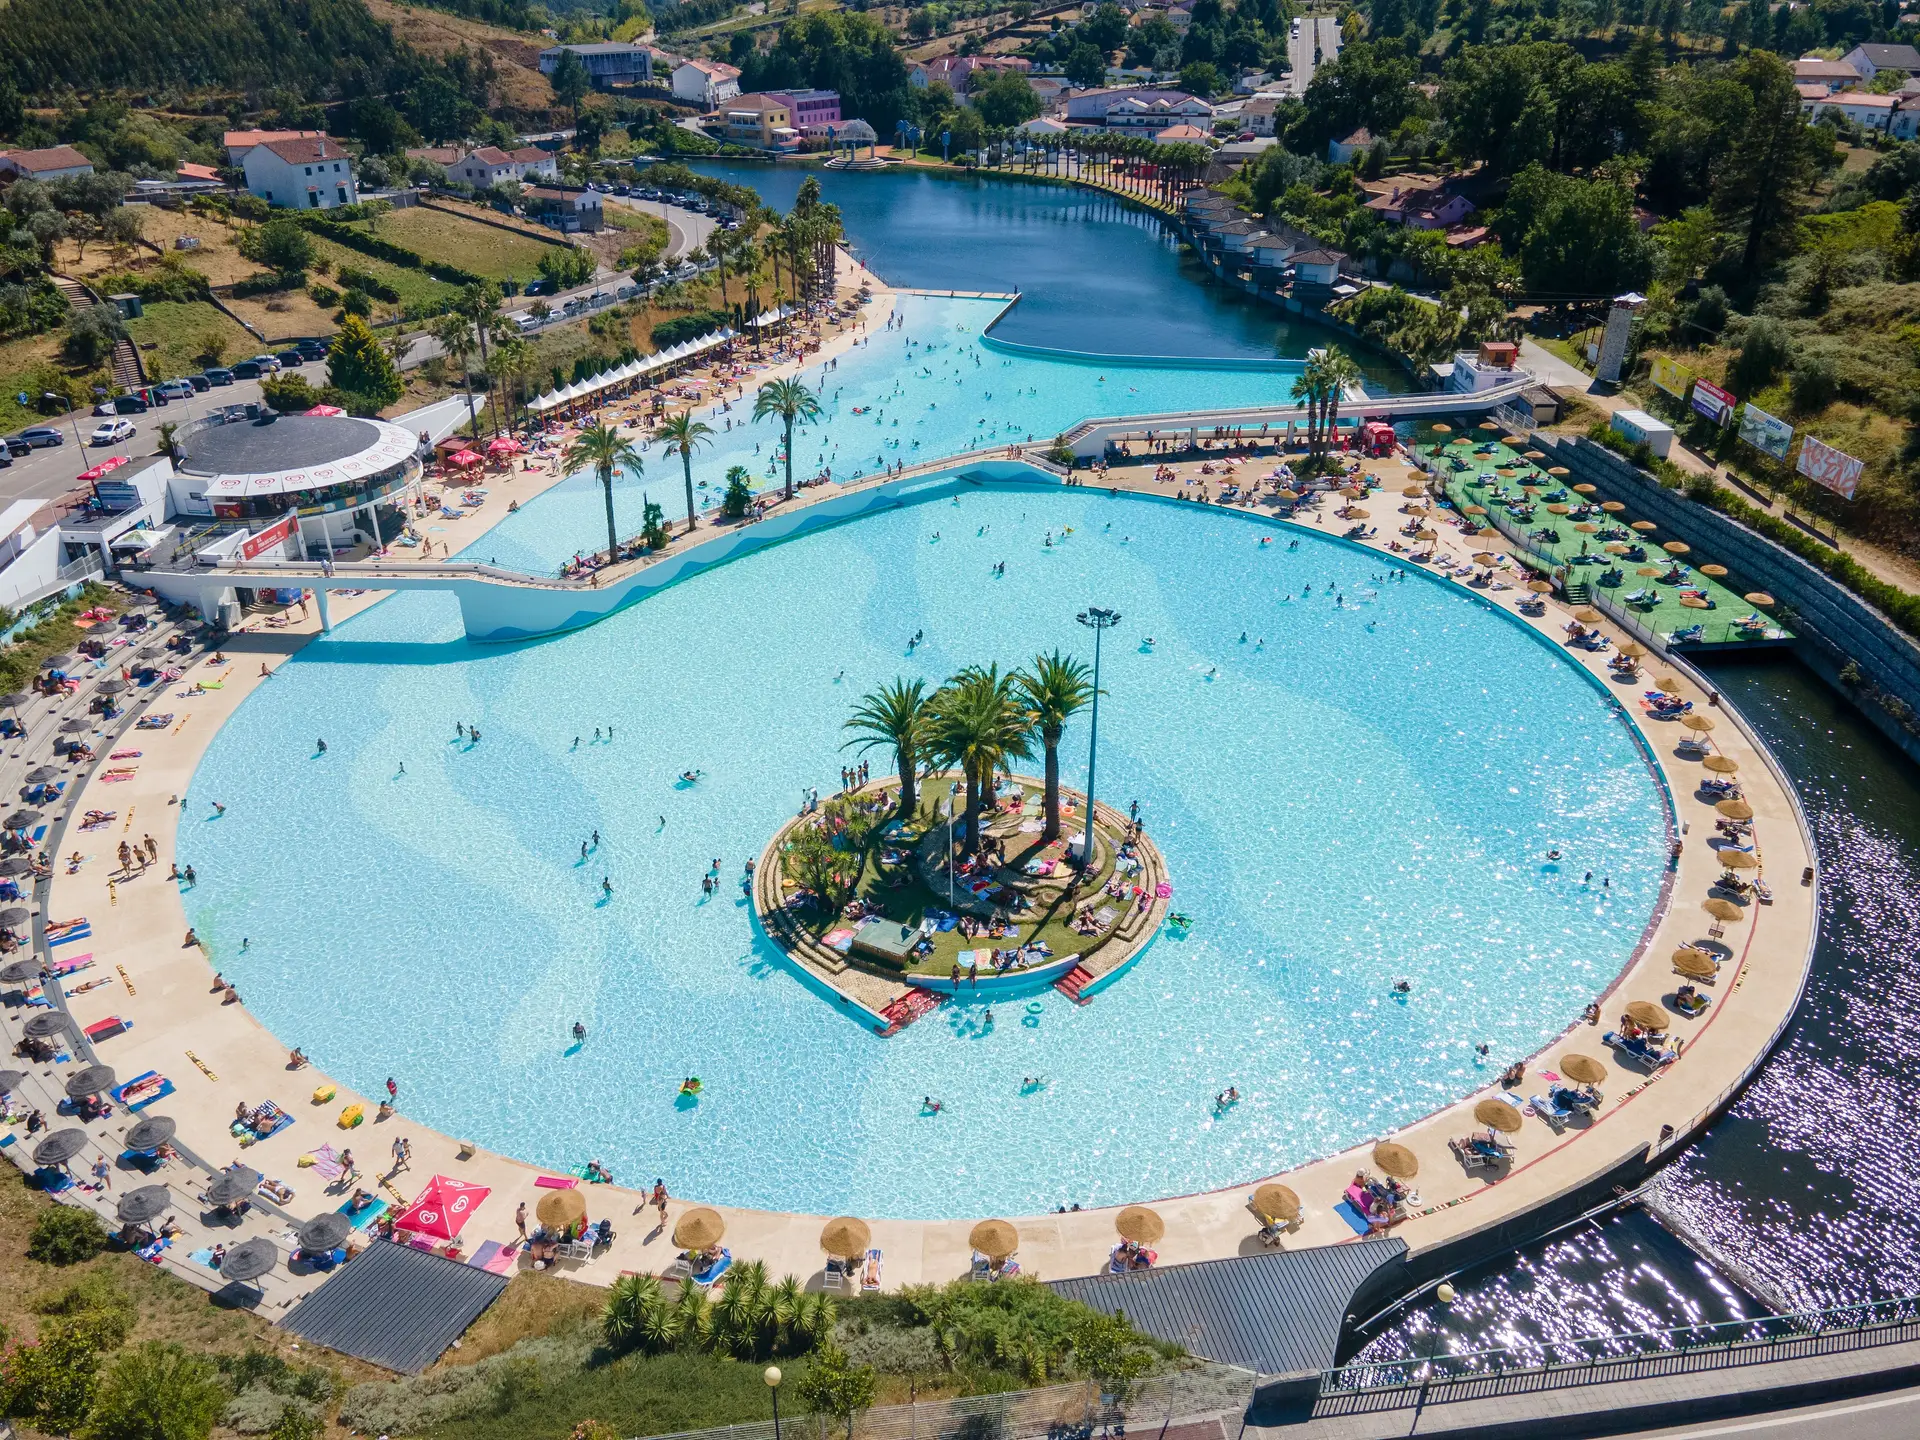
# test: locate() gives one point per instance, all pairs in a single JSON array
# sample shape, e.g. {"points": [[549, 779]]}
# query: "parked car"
{"points": [[200, 383], [17, 445], [219, 376], [291, 357], [42, 436], [247, 370], [175, 389], [135, 404], [313, 349], [111, 432], [105, 407], [268, 365]]}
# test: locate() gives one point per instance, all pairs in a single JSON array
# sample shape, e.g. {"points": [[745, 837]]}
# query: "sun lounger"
{"points": [[1550, 1110], [871, 1271]]}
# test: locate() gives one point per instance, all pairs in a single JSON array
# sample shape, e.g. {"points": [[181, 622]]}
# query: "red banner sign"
{"points": [[264, 540]]}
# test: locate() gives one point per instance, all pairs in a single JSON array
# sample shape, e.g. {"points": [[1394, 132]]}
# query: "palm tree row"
{"points": [[1134, 164], [977, 723]]}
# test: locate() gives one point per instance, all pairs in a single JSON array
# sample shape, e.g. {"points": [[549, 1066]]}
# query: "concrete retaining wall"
{"points": [[1833, 623]]}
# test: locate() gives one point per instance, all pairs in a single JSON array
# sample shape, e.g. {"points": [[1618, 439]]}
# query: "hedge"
{"points": [[1900, 606], [386, 250]]}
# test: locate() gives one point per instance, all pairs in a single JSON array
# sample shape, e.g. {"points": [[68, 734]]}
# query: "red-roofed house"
{"points": [[189, 171], [55, 163], [489, 166], [309, 173], [1424, 208], [239, 142]]}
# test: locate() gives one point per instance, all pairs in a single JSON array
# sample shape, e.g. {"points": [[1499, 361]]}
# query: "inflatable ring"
{"points": [[1034, 1007]]}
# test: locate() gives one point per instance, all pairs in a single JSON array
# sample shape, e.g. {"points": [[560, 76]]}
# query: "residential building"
{"points": [[1182, 135], [1828, 74], [609, 62], [762, 121], [445, 156], [308, 174], [1869, 112], [1421, 208], [1490, 366], [1317, 267], [489, 166], [566, 210], [1871, 59], [57, 162], [809, 108], [706, 82], [1257, 115], [239, 142], [1344, 152], [1141, 108], [187, 171]]}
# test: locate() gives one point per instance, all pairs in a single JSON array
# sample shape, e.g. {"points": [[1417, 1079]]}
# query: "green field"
{"points": [[180, 332], [410, 285], [450, 240]]}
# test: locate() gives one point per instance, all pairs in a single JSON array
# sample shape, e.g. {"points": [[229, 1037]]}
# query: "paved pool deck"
{"points": [[168, 994]]}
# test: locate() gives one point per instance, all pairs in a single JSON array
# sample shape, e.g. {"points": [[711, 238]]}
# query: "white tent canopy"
{"points": [[630, 371]]}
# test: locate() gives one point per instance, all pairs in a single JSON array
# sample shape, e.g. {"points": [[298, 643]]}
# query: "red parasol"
{"points": [[504, 445], [442, 1208], [324, 410], [461, 459], [105, 467]]}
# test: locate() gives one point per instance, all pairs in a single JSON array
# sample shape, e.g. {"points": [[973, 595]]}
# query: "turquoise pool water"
{"points": [[1361, 790], [926, 389]]}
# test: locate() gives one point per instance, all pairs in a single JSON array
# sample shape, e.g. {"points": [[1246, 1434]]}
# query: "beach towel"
{"points": [[202, 1257], [142, 1090], [841, 940], [71, 964], [363, 1218], [871, 1272], [324, 1162], [495, 1258], [126, 755], [556, 1182], [1355, 1220]]}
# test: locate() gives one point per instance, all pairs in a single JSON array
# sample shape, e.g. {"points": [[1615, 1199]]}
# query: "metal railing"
{"points": [[1869, 1321]]}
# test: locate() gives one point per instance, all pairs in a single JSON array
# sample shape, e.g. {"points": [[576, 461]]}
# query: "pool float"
{"points": [[1034, 1007], [690, 1086], [322, 1094], [352, 1116]]}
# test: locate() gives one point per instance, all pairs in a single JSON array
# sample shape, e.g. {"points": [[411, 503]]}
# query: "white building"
{"points": [[1870, 60], [489, 166], [609, 62], [1138, 108], [312, 174], [706, 82], [238, 142], [55, 163]]}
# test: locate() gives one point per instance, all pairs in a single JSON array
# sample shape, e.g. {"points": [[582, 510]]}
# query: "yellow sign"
{"points": [[1671, 376]]}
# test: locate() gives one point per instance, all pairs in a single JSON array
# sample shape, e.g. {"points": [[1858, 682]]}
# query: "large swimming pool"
{"points": [[1361, 789]]}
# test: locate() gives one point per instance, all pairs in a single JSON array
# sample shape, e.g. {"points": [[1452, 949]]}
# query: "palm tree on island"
{"points": [[977, 724], [1055, 687], [606, 450], [683, 435], [895, 715], [793, 404]]}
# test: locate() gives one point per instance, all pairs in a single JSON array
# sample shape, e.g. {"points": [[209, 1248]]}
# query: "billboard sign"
{"points": [[1824, 465], [1671, 376], [1766, 433], [262, 541], [1713, 402]]}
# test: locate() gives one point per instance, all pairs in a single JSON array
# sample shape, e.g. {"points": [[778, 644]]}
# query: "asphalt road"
{"points": [[685, 228], [1895, 1416], [1317, 33]]}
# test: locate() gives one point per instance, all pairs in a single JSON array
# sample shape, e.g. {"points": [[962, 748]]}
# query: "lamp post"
{"points": [[1444, 1294], [772, 1376], [1099, 621]]}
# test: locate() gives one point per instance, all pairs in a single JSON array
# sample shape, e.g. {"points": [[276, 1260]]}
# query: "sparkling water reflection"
{"points": [[1804, 1190]]}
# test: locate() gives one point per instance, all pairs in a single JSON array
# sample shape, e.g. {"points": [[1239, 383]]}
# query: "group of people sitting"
{"points": [[1379, 1202]]}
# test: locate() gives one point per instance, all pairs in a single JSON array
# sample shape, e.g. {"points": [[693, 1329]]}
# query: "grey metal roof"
{"points": [[395, 1306], [248, 447], [1277, 1313]]}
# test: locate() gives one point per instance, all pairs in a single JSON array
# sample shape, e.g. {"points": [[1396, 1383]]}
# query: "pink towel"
{"points": [[556, 1182]]}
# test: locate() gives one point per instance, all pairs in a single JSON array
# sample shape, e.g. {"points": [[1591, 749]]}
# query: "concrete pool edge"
{"points": [[1200, 1226]]}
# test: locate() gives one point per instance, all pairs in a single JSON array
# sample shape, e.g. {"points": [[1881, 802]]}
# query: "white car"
{"points": [[111, 433]]}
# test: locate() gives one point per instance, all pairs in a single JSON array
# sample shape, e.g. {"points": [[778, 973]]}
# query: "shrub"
{"points": [[739, 494], [91, 335], [156, 1392], [289, 393], [66, 1235], [835, 1386], [282, 245], [322, 295], [565, 266], [691, 326], [352, 277], [1814, 384]]}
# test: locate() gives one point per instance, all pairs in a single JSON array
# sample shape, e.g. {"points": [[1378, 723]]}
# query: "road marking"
{"points": [[1795, 1419]]}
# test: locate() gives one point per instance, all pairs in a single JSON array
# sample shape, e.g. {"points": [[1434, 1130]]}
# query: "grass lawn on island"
{"points": [[412, 286], [450, 240], [904, 897]]}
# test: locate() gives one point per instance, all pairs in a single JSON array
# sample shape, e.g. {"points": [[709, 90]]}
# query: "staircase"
{"points": [[1578, 592], [128, 371], [1073, 982], [909, 1008]]}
